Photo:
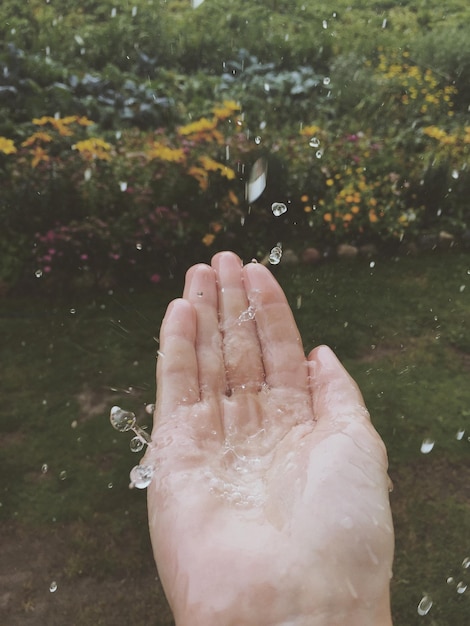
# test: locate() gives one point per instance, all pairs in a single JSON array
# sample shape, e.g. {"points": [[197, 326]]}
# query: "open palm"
{"points": [[269, 503]]}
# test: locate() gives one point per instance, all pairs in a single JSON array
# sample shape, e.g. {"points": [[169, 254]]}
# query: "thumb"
{"points": [[335, 395]]}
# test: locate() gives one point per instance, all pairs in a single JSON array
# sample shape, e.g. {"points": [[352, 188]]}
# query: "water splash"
{"points": [[247, 315], [141, 476]]}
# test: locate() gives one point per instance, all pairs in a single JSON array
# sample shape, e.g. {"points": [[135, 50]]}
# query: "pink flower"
{"points": [[46, 269], [155, 278], [84, 257], [52, 251]]}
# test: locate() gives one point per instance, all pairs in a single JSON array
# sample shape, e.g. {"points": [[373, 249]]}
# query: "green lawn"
{"points": [[401, 327]]}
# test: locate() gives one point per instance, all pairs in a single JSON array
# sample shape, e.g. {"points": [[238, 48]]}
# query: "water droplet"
{"points": [[267, 87], [319, 154], [325, 24], [136, 444], [150, 408], [257, 140], [110, 485], [299, 301], [123, 186], [257, 180], [44, 468], [87, 174], [459, 434], [425, 605], [372, 264], [138, 246], [63, 475], [326, 80], [79, 40], [461, 587], [141, 476], [74, 424], [278, 208], [427, 446], [73, 311], [466, 562], [122, 420], [314, 142], [455, 174], [461, 288], [38, 273], [200, 294], [113, 12], [196, 3], [450, 580], [53, 587], [275, 255], [247, 315], [134, 11]]}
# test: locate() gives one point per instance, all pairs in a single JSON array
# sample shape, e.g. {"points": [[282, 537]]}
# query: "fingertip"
{"points": [[226, 256]]}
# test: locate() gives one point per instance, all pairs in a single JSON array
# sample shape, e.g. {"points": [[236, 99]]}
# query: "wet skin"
{"points": [[270, 502]]}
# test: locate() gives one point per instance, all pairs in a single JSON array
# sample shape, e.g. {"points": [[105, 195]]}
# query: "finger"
{"points": [[335, 394], [282, 352], [241, 348], [177, 370], [201, 291]]}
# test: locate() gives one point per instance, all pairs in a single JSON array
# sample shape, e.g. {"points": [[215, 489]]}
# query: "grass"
{"points": [[402, 329]]}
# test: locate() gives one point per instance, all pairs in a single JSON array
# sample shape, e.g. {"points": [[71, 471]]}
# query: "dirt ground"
{"points": [[29, 563]]}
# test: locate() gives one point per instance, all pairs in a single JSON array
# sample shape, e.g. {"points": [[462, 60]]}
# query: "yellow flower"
{"points": [[228, 108], [307, 209], [7, 146], [39, 155], [93, 148], [355, 209], [38, 136], [208, 239], [330, 182], [164, 153], [347, 217], [200, 175], [309, 131], [200, 126], [213, 166]]}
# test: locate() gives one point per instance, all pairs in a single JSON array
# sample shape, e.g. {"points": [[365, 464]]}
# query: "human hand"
{"points": [[269, 503]]}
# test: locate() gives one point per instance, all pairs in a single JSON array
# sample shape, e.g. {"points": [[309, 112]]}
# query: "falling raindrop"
{"points": [[257, 140], [38, 273], [461, 587], [113, 12], [455, 174], [425, 605], [466, 562], [384, 23], [134, 11], [123, 186], [275, 255], [450, 580], [325, 24], [63, 475], [319, 154], [257, 180], [141, 476], [372, 264], [314, 142], [53, 587], [427, 446], [138, 246], [278, 208], [196, 3], [44, 468], [459, 434], [110, 485], [149, 408], [326, 80], [87, 174]]}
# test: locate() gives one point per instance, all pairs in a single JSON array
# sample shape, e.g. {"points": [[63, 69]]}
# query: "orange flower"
{"points": [[232, 197], [304, 198], [347, 217], [208, 239], [39, 155], [307, 209], [38, 136], [355, 209], [373, 217], [327, 217]]}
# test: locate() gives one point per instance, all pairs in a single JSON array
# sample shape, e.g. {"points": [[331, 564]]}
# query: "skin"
{"points": [[270, 500]]}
